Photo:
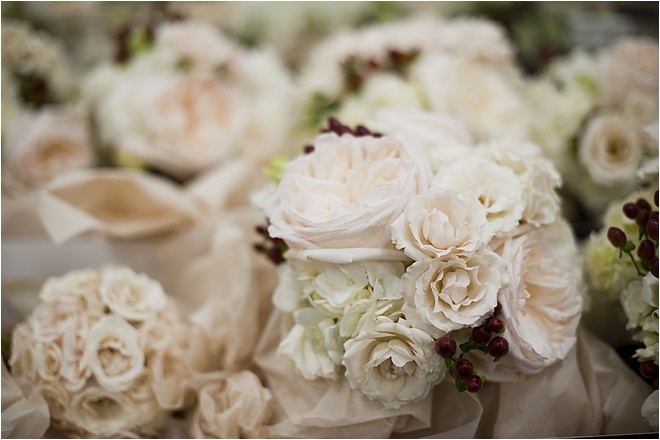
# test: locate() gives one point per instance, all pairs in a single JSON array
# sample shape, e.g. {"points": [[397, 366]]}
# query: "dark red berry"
{"points": [[496, 325], [464, 369], [652, 228], [262, 230], [275, 255], [655, 197], [642, 218], [473, 384], [361, 130], [646, 250], [308, 149], [630, 210], [648, 369], [616, 236], [498, 347], [498, 309], [445, 346], [654, 268], [643, 204], [481, 335], [259, 247], [334, 124]]}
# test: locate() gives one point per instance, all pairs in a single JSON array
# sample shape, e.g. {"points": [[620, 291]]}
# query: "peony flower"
{"points": [[438, 223], [541, 306], [113, 353], [454, 292], [42, 145], [135, 297], [231, 406], [347, 193], [610, 150], [392, 363], [496, 187]]}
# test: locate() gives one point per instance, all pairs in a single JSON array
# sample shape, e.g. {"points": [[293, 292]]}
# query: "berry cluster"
{"points": [[334, 126], [34, 90], [357, 70], [465, 376], [273, 248], [646, 219]]}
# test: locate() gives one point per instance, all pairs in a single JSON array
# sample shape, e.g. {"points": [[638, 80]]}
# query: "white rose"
{"points": [[496, 187], [479, 94], [305, 349], [475, 38], [77, 286], [197, 42], [114, 354], [630, 65], [380, 91], [235, 406], [541, 306], [39, 146], [106, 414], [438, 223], [180, 122], [135, 297], [48, 360], [392, 363], [52, 321], [445, 138], [454, 292], [538, 177], [347, 193], [610, 150]]}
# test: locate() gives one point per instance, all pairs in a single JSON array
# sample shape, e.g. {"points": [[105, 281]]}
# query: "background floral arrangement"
{"points": [[418, 172]]}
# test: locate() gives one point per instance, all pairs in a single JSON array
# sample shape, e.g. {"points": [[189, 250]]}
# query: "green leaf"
{"points": [[275, 169], [460, 385]]}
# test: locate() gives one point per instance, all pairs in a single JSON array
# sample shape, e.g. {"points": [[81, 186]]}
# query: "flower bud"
{"points": [[616, 236]]}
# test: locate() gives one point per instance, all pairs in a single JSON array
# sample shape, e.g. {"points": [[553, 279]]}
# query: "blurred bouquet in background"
{"points": [[459, 199]]}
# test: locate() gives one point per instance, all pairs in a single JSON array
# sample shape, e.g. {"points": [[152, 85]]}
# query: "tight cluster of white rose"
{"points": [[96, 345], [388, 253]]}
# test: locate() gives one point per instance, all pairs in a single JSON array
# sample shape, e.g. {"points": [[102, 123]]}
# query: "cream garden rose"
{"points": [[438, 223], [541, 305], [393, 363], [347, 192], [39, 146], [134, 297], [453, 292]]}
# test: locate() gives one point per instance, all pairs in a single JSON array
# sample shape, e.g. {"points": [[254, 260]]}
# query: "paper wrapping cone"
{"points": [[591, 392], [121, 203]]}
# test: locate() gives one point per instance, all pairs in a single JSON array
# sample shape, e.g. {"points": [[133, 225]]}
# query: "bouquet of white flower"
{"points": [[388, 266], [96, 346]]}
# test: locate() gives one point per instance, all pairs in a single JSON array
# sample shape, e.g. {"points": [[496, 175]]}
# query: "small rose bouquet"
{"points": [[399, 274], [96, 347]]}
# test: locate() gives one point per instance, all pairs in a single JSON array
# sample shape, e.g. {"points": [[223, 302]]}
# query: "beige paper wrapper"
{"points": [[25, 413], [592, 392], [120, 203]]}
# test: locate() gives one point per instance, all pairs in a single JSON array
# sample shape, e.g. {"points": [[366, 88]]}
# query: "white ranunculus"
{"points": [[538, 177], [114, 354], [445, 138], [496, 187], [102, 413], [454, 292], [305, 348], [438, 223], [541, 306], [482, 96], [234, 406], [610, 150], [347, 193], [39, 146], [135, 297], [392, 363]]}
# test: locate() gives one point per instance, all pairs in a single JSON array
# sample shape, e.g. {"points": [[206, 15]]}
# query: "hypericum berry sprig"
{"points": [[334, 126], [273, 248], [646, 219], [465, 376], [357, 70]]}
